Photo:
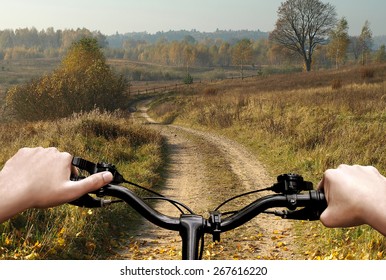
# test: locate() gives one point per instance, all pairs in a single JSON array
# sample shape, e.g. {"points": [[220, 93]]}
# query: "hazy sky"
{"points": [[110, 16]]}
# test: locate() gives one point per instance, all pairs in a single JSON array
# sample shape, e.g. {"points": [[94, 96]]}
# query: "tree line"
{"points": [[307, 32], [49, 43]]}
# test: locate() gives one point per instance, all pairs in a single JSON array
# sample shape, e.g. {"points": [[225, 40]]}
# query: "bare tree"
{"points": [[303, 25]]}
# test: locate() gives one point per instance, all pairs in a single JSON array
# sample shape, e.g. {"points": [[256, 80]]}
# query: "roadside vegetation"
{"points": [[82, 82], [69, 232], [303, 123], [75, 108]]}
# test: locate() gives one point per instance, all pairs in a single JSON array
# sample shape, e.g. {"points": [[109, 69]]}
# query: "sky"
{"points": [[122, 16]]}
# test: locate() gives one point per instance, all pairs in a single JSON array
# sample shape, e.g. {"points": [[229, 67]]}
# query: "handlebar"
{"points": [[292, 193]]}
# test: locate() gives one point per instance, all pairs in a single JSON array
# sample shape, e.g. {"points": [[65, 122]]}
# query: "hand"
{"points": [[355, 195], [40, 178]]}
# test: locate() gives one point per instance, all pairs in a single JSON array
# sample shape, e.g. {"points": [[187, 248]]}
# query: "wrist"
{"points": [[376, 210], [11, 202]]}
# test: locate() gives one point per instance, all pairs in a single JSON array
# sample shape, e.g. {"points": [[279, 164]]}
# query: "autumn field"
{"points": [[303, 123], [297, 122]]}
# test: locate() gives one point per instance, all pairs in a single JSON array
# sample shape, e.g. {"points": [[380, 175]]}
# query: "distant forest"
{"points": [[174, 48], [117, 40]]}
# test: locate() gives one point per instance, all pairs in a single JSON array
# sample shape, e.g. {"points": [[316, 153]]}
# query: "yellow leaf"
{"points": [[7, 241], [61, 232], [32, 256], [37, 245], [60, 241]]}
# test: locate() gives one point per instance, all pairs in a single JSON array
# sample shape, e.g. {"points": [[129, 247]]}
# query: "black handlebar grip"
{"points": [[319, 199]]}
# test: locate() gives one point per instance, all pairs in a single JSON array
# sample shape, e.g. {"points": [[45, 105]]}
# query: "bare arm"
{"points": [[40, 178]]}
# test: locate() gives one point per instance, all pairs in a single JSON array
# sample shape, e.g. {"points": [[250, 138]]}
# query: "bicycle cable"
{"points": [[172, 201], [237, 196], [160, 197]]}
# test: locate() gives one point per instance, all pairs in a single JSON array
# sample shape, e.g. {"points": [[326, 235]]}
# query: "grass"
{"points": [[69, 232], [303, 123]]}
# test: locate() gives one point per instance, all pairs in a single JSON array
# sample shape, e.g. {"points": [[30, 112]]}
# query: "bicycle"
{"points": [[291, 192]]}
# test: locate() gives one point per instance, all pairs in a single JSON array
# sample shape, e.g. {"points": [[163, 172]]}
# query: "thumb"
{"points": [[90, 183]]}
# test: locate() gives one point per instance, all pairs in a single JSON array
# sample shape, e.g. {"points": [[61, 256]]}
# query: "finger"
{"points": [[320, 185], [89, 184]]}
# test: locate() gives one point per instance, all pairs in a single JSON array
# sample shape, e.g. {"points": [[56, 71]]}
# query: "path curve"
{"points": [[187, 180]]}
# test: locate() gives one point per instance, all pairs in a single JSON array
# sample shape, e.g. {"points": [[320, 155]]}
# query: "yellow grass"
{"points": [[303, 123], [68, 232]]}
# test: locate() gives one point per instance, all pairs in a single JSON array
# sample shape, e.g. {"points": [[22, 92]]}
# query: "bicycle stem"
{"points": [[191, 231]]}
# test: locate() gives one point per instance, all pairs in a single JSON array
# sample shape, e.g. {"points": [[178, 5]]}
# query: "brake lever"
{"points": [[90, 202], [92, 168], [304, 214]]}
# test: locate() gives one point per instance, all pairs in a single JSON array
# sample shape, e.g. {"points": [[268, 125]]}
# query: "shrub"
{"points": [[188, 79], [367, 73], [83, 82]]}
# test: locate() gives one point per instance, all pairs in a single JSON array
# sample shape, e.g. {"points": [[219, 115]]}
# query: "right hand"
{"points": [[355, 195]]}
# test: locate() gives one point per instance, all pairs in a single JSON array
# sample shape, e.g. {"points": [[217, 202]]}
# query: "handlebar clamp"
{"points": [[215, 221]]}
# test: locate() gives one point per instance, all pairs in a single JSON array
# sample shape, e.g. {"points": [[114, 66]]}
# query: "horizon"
{"points": [[152, 16]]}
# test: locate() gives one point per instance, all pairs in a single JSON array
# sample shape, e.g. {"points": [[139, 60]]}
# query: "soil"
{"points": [[203, 170]]}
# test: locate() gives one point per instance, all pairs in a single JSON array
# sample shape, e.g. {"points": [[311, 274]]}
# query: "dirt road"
{"points": [[203, 170]]}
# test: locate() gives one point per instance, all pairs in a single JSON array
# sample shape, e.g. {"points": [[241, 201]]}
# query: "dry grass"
{"points": [[68, 232], [304, 123]]}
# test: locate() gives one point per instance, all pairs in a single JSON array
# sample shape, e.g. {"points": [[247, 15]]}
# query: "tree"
{"points": [[339, 42], [365, 41], [302, 26], [354, 47], [189, 54], [242, 54], [380, 55]]}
